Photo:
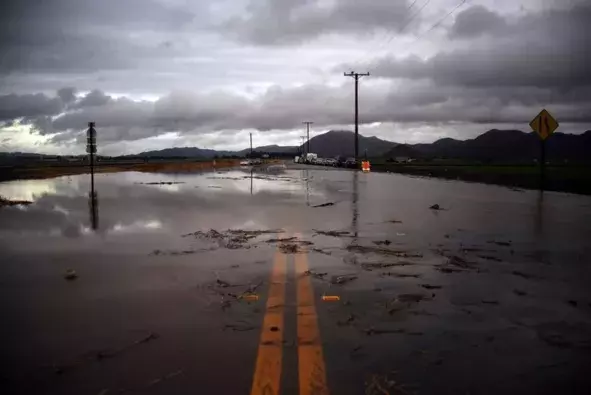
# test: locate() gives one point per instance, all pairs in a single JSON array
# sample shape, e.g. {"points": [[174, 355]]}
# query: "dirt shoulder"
{"points": [[50, 171]]}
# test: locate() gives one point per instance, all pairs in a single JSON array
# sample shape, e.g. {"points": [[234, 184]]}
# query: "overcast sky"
{"points": [[162, 73]]}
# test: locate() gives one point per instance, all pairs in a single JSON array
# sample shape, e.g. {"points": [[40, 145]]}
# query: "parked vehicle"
{"points": [[350, 163], [330, 162], [311, 158], [296, 159], [245, 162]]}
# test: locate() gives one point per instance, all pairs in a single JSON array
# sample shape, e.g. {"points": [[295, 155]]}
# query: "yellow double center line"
{"points": [[311, 368]]}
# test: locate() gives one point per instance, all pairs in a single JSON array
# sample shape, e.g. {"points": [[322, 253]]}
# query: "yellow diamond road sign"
{"points": [[544, 124]]}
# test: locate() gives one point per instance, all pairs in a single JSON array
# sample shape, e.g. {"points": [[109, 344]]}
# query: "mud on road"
{"points": [[190, 280]]}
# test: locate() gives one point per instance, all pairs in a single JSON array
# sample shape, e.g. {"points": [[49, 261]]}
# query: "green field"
{"points": [[576, 179]]}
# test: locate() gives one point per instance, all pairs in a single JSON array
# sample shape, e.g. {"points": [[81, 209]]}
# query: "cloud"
{"points": [[526, 53], [281, 22], [14, 106], [475, 21]]}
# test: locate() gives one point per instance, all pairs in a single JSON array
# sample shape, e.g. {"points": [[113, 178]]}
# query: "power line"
{"points": [[461, 3]]}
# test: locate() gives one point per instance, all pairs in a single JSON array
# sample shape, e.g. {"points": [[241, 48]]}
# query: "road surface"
{"points": [[302, 280]]}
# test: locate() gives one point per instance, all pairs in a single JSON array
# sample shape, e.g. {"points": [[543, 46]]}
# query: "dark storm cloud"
{"points": [[475, 21], [93, 98], [81, 35], [549, 49], [277, 22], [16, 106], [122, 119]]}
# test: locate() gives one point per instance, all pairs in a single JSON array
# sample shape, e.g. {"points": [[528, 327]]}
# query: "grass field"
{"points": [[576, 179], [56, 170]]}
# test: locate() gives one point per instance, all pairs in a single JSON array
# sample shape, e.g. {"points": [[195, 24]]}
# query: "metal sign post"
{"points": [[544, 125]]}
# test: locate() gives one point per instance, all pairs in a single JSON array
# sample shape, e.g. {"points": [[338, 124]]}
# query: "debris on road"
{"points": [[160, 183], [384, 385], [412, 298], [176, 253], [347, 321], [490, 258], [112, 353], [282, 240], [394, 221], [232, 238], [382, 251], [524, 275], [314, 274], [70, 275], [494, 302], [369, 266], [429, 286], [400, 275], [333, 233], [7, 202], [324, 205], [242, 327], [342, 279], [320, 251], [382, 242], [435, 207], [289, 248], [500, 243]]}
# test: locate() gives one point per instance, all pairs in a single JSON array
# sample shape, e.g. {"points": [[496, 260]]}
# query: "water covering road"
{"points": [[214, 283]]}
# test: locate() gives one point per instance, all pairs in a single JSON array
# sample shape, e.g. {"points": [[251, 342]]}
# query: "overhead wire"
{"points": [[409, 18]]}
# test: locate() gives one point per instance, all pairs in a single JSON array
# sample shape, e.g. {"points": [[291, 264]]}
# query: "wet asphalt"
{"points": [[175, 273]]}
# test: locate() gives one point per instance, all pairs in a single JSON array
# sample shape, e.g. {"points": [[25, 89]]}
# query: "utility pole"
{"points": [[356, 76], [251, 144], [308, 123], [303, 145]]}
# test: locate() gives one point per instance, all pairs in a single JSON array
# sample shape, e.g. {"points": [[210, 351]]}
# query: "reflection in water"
{"points": [[251, 171], [306, 176], [355, 208], [93, 204], [539, 215]]}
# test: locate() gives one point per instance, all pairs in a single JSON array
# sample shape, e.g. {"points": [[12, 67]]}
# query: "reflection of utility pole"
{"points": [[93, 205], [355, 208], [308, 123], [356, 76], [251, 170]]}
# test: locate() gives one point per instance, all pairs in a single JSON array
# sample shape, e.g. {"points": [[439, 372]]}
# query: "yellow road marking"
{"points": [[267, 373], [312, 371]]}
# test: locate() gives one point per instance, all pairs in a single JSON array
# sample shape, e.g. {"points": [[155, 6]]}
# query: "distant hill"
{"points": [[279, 149], [342, 143], [510, 146], [496, 146], [188, 152]]}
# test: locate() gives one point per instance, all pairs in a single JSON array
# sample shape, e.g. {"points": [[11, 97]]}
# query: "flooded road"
{"points": [[292, 281]]}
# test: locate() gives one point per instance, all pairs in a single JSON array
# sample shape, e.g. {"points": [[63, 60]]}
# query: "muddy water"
{"points": [[487, 294]]}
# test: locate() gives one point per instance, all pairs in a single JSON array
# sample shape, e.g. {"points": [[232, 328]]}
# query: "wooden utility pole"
{"points": [[356, 76], [303, 138], [308, 123], [251, 144]]}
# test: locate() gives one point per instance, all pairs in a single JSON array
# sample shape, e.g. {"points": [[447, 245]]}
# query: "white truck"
{"points": [[311, 158]]}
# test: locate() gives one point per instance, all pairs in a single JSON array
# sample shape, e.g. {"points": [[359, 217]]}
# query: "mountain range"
{"points": [[498, 146]]}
